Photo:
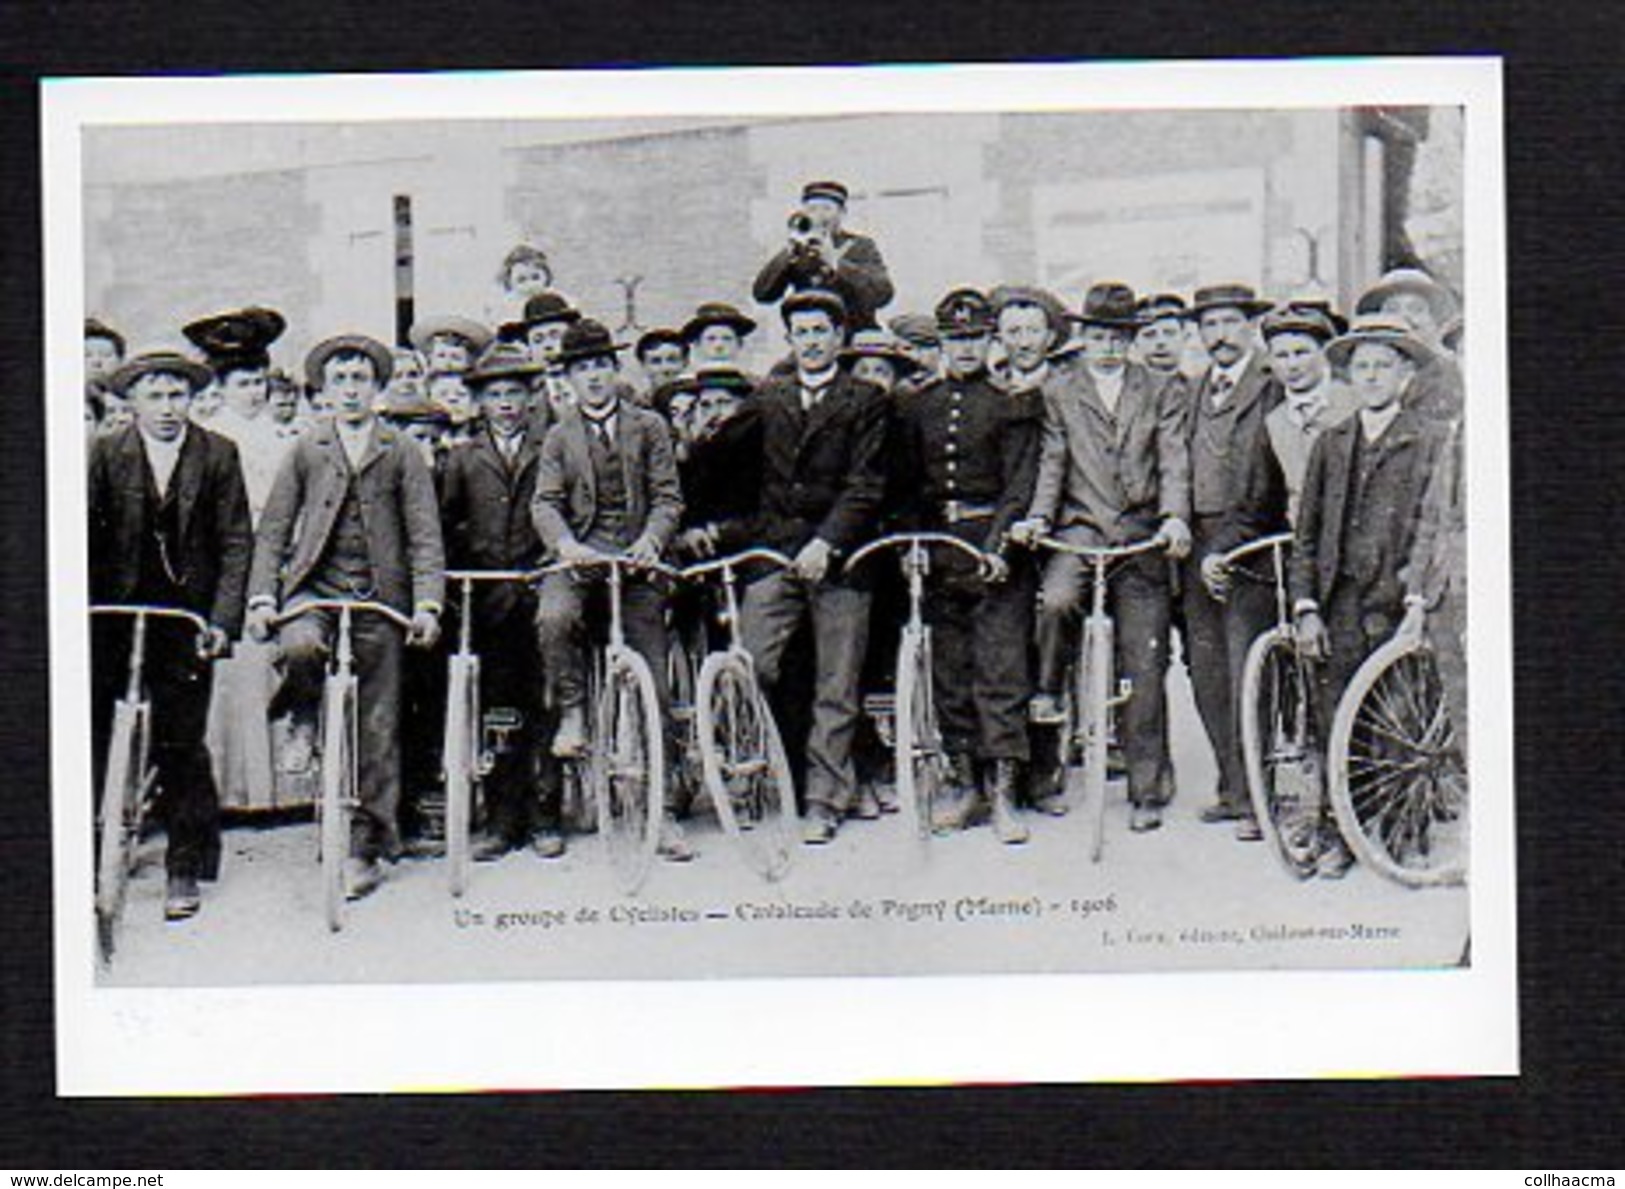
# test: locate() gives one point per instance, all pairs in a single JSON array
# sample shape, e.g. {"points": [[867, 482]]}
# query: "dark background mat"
{"points": [[1565, 97]]}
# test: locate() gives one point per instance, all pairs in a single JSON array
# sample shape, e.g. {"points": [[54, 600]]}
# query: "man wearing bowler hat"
{"points": [[1358, 517], [1226, 411], [821, 254], [716, 334], [352, 515], [1114, 468], [606, 483], [548, 315], [169, 526], [966, 457], [823, 478]]}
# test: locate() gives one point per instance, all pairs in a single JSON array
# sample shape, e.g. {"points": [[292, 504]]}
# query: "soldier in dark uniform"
{"points": [[1358, 517], [822, 255], [486, 493], [169, 526], [968, 453]]}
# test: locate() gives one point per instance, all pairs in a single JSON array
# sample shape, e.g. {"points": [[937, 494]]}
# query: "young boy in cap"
{"points": [[823, 477], [352, 515], [487, 490], [1427, 308], [967, 456], [1358, 515], [169, 526], [820, 254], [716, 334], [448, 343], [1227, 407], [918, 339], [606, 483], [1114, 468], [662, 354]]}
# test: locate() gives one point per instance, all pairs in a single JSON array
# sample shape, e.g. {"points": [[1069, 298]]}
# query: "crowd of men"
{"points": [[1004, 418]]}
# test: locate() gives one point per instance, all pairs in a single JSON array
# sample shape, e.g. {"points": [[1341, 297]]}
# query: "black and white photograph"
{"points": [[900, 552]]}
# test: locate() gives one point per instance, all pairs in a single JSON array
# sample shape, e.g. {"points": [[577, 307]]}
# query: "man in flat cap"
{"points": [[1227, 407], [821, 254], [1428, 308], [352, 515], [967, 458], [1031, 323], [169, 526], [606, 483], [1114, 468], [823, 477], [486, 493], [1358, 517]]}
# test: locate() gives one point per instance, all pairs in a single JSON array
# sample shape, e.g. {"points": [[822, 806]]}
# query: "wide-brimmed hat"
{"points": [[237, 338], [383, 362], [964, 313], [814, 299], [412, 407], [95, 328], [426, 330], [718, 313], [502, 361], [1157, 306], [1379, 328], [1231, 295], [730, 378], [163, 361], [658, 336], [876, 344], [919, 329], [547, 306], [587, 339], [1407, 280], [1109, 303], [1005, 296], [1296, 318], [834, 191]]}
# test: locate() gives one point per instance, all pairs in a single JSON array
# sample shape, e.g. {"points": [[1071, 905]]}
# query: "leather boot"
{"points": [[1001, 792], [957, 801]]}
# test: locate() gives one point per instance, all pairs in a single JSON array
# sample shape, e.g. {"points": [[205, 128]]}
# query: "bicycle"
{"points": [[127, 784], [742, 757], [1398, 781], [920, 756], [1279, 750], [471, 742], [1093, 692], [624, 764], [340, 791]]}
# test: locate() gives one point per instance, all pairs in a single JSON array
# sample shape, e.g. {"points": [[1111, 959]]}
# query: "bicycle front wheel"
{"points": [[124, 793], [1398, 780], [1284, 771], [462, 753], [919, 755], [1094, 708], [629, 767], [338, 792], [745, 767]]}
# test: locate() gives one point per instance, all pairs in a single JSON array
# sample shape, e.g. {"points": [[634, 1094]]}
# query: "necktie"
{"points": [[1221, 389], [811, 396]]}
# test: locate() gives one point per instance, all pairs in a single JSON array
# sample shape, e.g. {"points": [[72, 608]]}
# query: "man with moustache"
{"points": [[1226, 411]]}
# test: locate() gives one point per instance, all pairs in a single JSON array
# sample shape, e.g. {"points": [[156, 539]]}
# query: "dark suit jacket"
{"points": [[1115, 477], [822, 471], [722, 474], [1240, 421], [860, 278], [215, 538], [1328, 523], [565, 504], [398, 509], [485, 514]]}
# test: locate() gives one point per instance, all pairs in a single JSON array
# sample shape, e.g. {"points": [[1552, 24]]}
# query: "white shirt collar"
{"points": [[1108, 385], [1374, 424], [163, 457], [354, 439]]}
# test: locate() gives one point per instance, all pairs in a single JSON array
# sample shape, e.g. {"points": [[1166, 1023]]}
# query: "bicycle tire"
{"points": [[461, 759], [918, 754], [123, 796], [1398, 782], [338, 763], [1095, 664], [1285, 776], [629, 767], [744, 764]]}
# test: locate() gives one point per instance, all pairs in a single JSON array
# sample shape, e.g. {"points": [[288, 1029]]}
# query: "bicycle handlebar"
{"points": [[910, 540], [734, 561], [154, 612], [605, 561], [492, 575], [353, 605], [1273, 541], [1100, 552]]}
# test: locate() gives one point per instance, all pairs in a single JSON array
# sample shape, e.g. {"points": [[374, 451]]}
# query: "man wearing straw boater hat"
{"points": [[169, 526], [1428, 309], [1358, 515], [1226, 410]]}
